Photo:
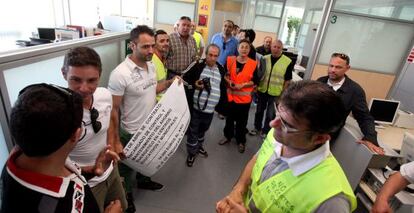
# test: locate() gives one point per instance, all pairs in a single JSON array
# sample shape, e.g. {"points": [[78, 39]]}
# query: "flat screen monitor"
{"points": [[46, 33], [407, 148], [383, 111]]}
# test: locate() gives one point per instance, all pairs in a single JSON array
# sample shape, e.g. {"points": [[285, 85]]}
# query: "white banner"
{"points": [[158, 137]]}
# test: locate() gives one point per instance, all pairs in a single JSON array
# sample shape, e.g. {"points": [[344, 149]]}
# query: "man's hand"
{"points": [[180, 80], [199, 84], [381, 206], [224, 206], [104, 159], [114, 207], [119, 149], [372, 147], [238, 86], [236, 207]]}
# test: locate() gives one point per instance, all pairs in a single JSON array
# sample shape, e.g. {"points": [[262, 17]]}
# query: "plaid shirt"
{"points": [[181, 53]]}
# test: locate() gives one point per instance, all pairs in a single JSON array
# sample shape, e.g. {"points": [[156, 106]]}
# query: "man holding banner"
{"points": [[133, 87]]}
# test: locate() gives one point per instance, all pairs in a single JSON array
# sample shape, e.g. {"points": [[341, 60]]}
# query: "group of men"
{"points": [[91, 125]]}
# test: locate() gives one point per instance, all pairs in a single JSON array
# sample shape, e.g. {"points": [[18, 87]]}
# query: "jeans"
{"points": [[199, 124]]}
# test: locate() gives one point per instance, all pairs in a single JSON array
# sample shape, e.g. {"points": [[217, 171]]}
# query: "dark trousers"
{"points": [[199, 124], [238, 113], [124, 170], [264, 103]]}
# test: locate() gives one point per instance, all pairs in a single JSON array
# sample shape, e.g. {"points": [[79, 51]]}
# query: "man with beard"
{"points": [[133, 87]]}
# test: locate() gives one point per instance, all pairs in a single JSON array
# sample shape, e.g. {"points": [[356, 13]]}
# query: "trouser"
{"points": [[109, 190], [124, 170], [265, 102], [199, 124], [238, 113]]}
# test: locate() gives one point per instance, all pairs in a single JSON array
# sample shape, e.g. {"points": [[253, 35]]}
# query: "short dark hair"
{"points": [[159, 32], [244, 41], [342, 56], [249, 33], [315, 102], [212, 45], [236, 26], [185, 18], [82, 56], [44, 117], [138, 30], [230, 21]]}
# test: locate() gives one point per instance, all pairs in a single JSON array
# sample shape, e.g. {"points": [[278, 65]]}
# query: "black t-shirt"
{"points": [[239, 68]]}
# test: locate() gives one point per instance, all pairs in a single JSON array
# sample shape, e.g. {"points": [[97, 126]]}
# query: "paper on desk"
{"points": [[158, 137]]}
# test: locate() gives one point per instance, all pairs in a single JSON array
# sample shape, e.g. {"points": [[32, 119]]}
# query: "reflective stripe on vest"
{"points": [[274, 77], [243, 95], [287, 193], [161, 72]]}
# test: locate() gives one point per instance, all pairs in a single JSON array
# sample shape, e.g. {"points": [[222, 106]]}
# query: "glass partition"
{"points": [[396, 9], [168, 12], [372, 44]]}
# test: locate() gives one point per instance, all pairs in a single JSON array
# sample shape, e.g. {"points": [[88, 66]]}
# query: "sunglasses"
{"points": [[285, 126], [224, 45], [96, 125], [341, 56], [60, 90]]}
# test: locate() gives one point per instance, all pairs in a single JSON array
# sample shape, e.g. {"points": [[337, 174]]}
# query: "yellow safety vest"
{"points": [[274, 77], [161, 73], [287, 193], [197, 36]]}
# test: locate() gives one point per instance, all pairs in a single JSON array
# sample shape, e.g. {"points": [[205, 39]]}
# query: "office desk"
{"points": [[392, 136]]}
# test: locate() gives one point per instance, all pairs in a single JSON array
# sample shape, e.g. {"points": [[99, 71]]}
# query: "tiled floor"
{"points": [[198, 188]]}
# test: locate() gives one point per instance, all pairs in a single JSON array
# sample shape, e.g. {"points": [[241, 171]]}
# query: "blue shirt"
{"points": [[228, 48]]}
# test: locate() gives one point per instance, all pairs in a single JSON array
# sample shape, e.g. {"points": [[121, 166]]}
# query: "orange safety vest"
{"points": [[243, 95]]}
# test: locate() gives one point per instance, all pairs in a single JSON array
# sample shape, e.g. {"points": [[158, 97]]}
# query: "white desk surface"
{"points": [[392, 136]]}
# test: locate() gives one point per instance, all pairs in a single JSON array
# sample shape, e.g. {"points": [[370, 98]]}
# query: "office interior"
{"points": [[378, 35]]}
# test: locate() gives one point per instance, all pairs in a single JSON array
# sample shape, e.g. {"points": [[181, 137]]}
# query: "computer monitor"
{"points": [[383, 111], [407, 148], [47, 33]]}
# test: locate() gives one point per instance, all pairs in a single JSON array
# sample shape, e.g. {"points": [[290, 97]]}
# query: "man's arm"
{"points": [[365, 121], [113, 131], [239, 189], [391, 187]]}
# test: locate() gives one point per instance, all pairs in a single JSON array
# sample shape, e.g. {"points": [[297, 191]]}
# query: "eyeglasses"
{"points": [[286, 126], [341, 56]]}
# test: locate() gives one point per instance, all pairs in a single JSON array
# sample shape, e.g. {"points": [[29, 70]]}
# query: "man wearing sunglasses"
{"points": [[226, 42], [45, 123], [82, 69], [353, 97], [294, 170]]}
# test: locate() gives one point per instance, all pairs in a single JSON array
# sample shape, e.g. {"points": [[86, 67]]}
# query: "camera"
{"points": [[206, 83]]}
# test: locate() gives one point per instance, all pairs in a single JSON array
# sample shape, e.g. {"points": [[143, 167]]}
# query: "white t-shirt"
{"points": [[138, 88], [91, 144], [407, 171]]}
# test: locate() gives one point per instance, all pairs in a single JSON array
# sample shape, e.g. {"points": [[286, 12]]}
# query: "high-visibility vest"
{"points": [[197, 36], [243, 95], [274, 77], [286, 193], [161, 72]]}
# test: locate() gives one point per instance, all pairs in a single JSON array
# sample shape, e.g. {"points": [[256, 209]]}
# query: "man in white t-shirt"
{"points": [[82, 69], [392, 186], [133, 86]]}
